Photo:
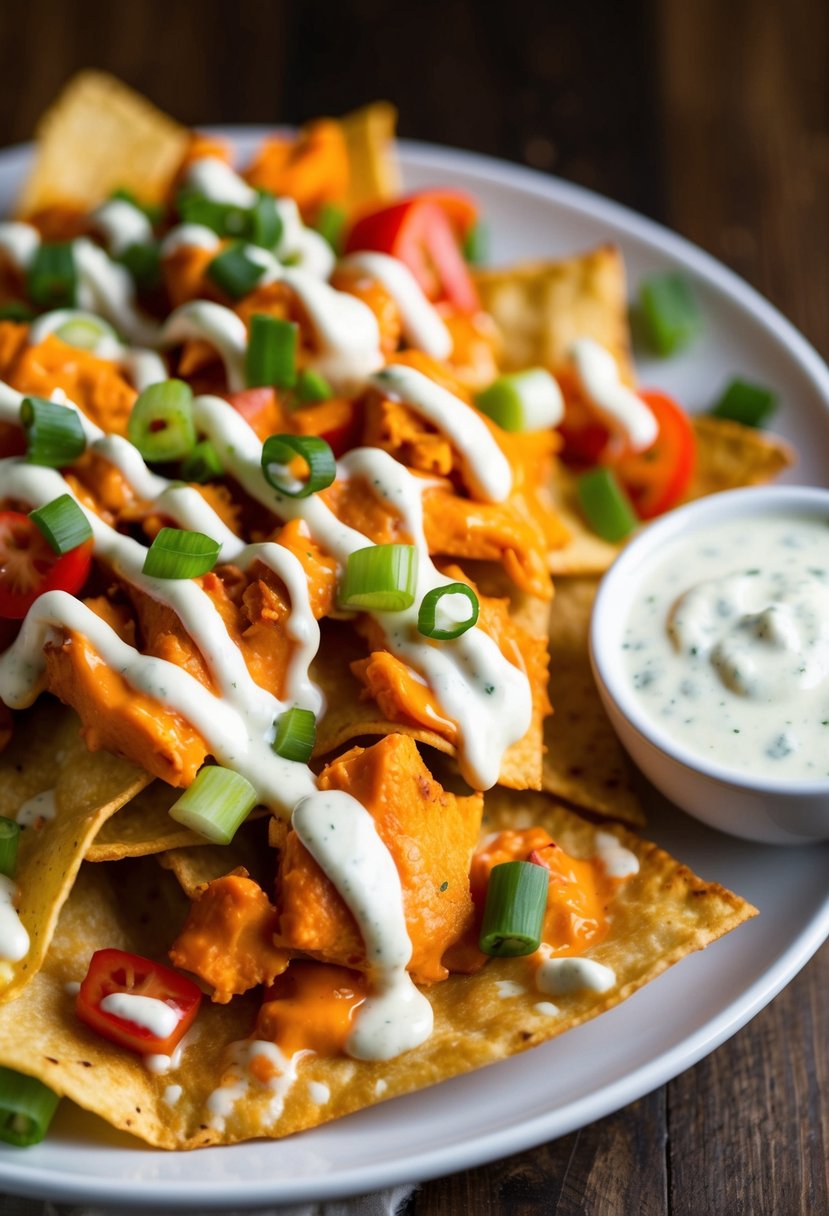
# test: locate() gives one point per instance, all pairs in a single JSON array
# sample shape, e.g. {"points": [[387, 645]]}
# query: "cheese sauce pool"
{"points": [[727, 646]]}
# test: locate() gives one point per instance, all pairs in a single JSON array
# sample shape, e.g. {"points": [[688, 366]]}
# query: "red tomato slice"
{"points": [[29, 566], [112, 971], [657, 478], [459, 207], [418, 232]]}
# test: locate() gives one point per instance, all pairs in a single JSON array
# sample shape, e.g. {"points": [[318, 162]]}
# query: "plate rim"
{"points": [[433, 1162]]}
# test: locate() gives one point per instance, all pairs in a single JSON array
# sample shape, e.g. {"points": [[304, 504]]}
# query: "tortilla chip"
{"points": [[661, 915], [201, 863], [142, 827], [584, 763], [541, 308], [730, 455], [49, 754], [99, 135], [585, 552], [374, 174]]}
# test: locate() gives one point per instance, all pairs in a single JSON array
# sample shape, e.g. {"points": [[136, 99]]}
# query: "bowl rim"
{"points": [[626, 570]]}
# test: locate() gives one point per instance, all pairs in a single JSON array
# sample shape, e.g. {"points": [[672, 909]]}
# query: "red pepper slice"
{"points": [[657, 478], [459, 208], [118, 971], [419, 233], [29, 566]]}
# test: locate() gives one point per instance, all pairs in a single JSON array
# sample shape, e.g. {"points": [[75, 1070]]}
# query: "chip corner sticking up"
{"points": [[374, 172], [97, 136]]}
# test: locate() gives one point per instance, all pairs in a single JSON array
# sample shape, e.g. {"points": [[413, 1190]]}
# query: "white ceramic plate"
{"points": [[674, 1021]]}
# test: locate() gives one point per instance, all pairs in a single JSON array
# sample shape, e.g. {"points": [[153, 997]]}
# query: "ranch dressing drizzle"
{"points": [[144, 367], [422, 326], [14, 940], [214, 179], [563, 976], [486, 468], [340, 835], [147, 1012], [122, 224], [599, 380], [189, 236], [202, 320]]}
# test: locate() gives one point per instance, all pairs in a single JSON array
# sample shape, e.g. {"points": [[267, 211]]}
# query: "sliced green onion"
{"points": [[84, 330], [63, 523], [216, 804], [52, 279], [312, 388], [516, 899], [380, 578], [234, 272], [523, 401], [476, 244], [279, 450], [143, 261], [265, 222], [296, 734], [54, 433], [225, 219], [16, 310], [9, 840], [178, 554], [330, 223], [427, 613], [161, 423], [203, 464], [750, 404], [670, 312], [153, 211], [606, 506], [271, 353], [26, 1108]]}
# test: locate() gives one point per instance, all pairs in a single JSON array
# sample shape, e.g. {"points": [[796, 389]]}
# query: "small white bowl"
{"points": [[756, 808]]}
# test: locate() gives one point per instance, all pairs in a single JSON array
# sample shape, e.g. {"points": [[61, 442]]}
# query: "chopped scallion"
{"points": [[178, 554], [311, 387], [16, 310], [63, 524], [750, 404], [523, 401], [84, 330], [296, 734], [225, 219], [516, 899], [9, 840], [265, 222], [161, 423], [143, 261], [476, 244], [606, 506], [52, 278], [271, 353], [54, 433], [216, 804], [26, 1108], [430, 605], [203, 464], [279, 450], [670, 312], [234, 272], [380, 578], [153, 211], [330, 223]]}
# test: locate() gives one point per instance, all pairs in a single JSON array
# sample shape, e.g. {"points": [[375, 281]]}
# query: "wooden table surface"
{"points": [[712, 117]]}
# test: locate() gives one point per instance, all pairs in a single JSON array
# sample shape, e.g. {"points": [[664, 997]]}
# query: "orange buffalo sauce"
{"points": [[311, 1008]]}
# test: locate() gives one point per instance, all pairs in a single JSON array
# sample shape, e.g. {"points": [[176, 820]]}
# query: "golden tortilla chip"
{"points": [[201, 863], [541, 308], [584, 763], [730, 455], [661, 915], [99, 135], [374, 174], [48, 757], [142, 827]]}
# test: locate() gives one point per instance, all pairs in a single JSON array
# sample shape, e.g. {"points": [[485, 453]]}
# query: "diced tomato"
{"points": [[657, 478], [419, 233], [254, 404], [459, 207], [112, 971], [29, 566]]}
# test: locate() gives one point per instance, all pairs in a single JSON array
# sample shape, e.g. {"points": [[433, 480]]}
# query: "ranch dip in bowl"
{"points": [[710, 648]]}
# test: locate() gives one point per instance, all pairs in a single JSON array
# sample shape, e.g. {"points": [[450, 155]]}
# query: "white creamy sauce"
{"points": [[238, 1082], [189, 236], [486, 468], [422, 325], [547, 1008], [160, 1064], [301, 246], [319, 1092], [147, 1012], [42, 806], [107, 345], [563, 976], [72, 988], [727, 648], [346, 332], [107, 288], [14, 940], [618, 862], [216, 180], [599, 380], [380, 1087], [19, 242], [508, 988], [171, 1095], [122, 225], [202, 320], [341, 836]]}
